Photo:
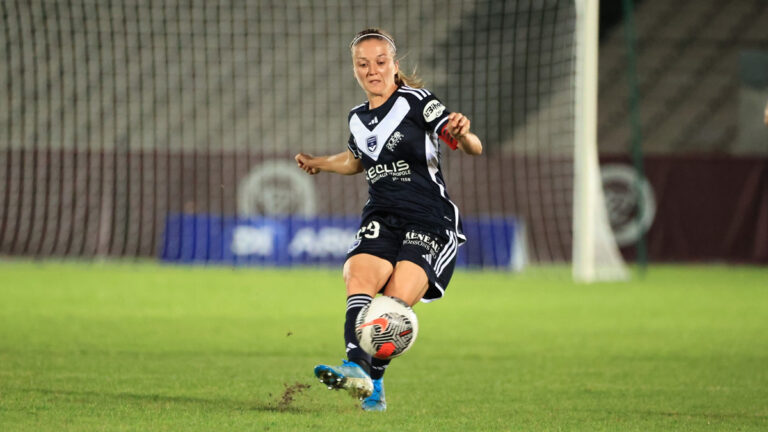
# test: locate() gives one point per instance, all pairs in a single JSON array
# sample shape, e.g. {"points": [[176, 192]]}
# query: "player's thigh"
{"points": [[409, 282], [366, 274], [434, 255], [371, 257]]}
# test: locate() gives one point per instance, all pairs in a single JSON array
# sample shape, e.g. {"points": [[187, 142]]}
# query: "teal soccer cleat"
{"points": [[349, 376], [376, 401]]}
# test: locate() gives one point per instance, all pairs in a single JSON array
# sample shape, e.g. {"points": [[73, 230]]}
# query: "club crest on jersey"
{"points": [[371, 142], [352, 247], [394, 140]]}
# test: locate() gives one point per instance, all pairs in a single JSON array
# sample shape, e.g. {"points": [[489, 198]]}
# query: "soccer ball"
{"points": [[386, 327]]}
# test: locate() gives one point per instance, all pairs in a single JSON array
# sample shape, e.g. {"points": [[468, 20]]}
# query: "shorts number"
{"points": [[370, 231]]}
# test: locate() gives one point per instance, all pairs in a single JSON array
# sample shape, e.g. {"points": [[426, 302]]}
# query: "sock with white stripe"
{"points": [[378, 367], [356, 354]]}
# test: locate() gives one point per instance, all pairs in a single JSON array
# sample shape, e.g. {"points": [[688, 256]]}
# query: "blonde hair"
{"points": [[410, 80]]}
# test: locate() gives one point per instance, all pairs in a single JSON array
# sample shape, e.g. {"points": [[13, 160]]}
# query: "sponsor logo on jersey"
{"points": [[394, 140], [433, 110], [371, 142], [423, 240], [374, 121], [397, 170]]}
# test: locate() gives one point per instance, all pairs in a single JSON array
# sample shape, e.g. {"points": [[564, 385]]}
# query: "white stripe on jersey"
{"points": [[422, 91], [383, 130], [413, 92], [432, 161], [439, 125]]}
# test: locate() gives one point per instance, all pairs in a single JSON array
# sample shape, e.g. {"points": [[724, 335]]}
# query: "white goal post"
{"points": [[595, 254]]}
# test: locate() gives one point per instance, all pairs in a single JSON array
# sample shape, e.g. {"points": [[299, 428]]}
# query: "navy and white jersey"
{"points": [[398, 144]]}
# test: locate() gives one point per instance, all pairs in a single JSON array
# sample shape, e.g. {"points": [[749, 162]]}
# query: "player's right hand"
{"points": [[303, 160]]}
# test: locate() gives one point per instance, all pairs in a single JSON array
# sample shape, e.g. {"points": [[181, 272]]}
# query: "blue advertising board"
{"points": [[293, 240]]}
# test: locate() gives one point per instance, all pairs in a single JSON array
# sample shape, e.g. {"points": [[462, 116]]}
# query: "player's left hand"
{"points": [[458, 125], [304, 161]]}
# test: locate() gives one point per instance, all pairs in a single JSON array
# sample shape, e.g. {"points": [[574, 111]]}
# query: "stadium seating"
{"points": [[688, 74]]}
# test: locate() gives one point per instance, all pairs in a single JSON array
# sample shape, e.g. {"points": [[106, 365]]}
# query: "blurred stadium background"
{"points": [[167, 129]]}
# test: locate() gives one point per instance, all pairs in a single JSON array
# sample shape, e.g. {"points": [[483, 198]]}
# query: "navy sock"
{"points": [[378, 367], [356, 354]]}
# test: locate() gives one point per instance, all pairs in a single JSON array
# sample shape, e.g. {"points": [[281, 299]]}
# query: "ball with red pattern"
{"points": [[386, 327]]}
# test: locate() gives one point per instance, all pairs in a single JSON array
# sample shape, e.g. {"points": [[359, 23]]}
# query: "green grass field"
{"points": [[139, 347]]}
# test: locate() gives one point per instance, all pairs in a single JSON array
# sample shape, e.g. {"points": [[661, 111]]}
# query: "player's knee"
{"points": [[366, 275], [359, 286], [358, 282]]}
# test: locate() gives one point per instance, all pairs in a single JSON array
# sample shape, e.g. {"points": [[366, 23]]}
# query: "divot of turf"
{"points": [[289, 395]]}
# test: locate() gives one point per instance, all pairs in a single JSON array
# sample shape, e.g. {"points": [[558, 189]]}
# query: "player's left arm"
{"points": [[458, 127]]}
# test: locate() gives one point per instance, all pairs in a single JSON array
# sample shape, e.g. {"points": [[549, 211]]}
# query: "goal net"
{"points": [[134, 128]]}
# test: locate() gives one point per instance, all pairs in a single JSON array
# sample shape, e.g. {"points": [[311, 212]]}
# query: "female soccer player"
{"points": [[410, 231]]}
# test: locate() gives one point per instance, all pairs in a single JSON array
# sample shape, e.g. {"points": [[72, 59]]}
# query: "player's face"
{"points": [[375, 66]]}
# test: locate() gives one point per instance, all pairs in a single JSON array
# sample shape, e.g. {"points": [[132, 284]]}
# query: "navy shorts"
{"points": [[390, 238]]}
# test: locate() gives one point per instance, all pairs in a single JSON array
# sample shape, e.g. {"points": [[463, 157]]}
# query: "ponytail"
{"points": [[411, 80]]}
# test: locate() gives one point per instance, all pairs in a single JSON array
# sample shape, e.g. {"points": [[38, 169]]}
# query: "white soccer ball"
{"points": [[386, 327]]}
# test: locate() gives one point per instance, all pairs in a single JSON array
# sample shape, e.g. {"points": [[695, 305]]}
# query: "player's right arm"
{"points": [[340, 163]]}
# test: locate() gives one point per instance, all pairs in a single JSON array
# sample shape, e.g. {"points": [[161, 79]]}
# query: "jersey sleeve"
{"points": [[435, 117], [352, 146]]}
